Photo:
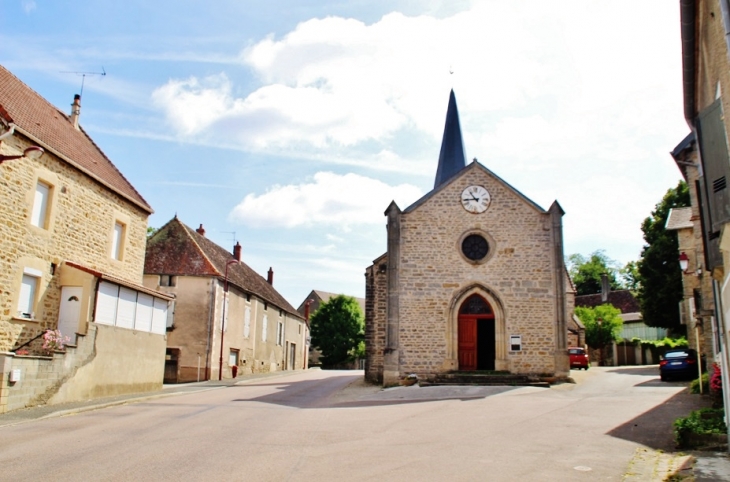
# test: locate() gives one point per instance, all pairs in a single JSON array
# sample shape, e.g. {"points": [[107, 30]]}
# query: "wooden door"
{"points": [[69, 311], [467, 343]]}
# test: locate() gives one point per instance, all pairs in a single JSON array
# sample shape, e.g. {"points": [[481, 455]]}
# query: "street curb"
{"points": [[204, 387]]}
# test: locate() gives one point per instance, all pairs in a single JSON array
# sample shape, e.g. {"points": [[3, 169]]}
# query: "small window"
{"points": [[280, 333], [281, 312], [167, 280], [233, 358], [39, 216], [248, 297], [27, 296], [118, 241], [266, 306]]}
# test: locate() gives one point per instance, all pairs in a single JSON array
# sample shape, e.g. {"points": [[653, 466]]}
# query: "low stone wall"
{"points": [[107, 361]]}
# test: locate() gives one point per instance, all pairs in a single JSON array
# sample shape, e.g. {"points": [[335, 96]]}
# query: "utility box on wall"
{"points": [[14, 375]]}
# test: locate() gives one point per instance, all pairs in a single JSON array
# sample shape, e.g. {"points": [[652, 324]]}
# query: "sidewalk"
{"points": [[48, 411]]}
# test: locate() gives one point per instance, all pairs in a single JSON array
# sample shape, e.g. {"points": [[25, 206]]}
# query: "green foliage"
{"points": [[630, 276], [694, 386], [150, 231], [660, 278], [603, 324], [667, 343], [703, 421], [586, 272], [338, 328]]}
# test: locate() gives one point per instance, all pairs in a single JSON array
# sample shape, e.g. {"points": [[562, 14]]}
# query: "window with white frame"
{"points": [[264, 328], [233, 357], [280, 333], [41, 200], [27, 294], [118, 241]]}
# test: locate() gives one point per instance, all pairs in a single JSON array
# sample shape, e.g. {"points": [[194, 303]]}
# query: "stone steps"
{"points": [[484, 379]]}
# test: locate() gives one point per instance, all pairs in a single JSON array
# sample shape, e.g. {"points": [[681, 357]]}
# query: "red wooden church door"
{"points": [[474, 309], [467, 342]]}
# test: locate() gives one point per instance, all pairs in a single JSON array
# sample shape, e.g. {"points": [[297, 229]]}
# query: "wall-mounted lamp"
{"points": [[33, 152], [683, 262], [684, 265]]}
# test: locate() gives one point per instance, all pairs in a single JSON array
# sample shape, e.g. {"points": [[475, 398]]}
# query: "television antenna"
{"points": [[83, 76]]}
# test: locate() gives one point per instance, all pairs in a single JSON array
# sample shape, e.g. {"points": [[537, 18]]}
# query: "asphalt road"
{"points": [[321, 425]]}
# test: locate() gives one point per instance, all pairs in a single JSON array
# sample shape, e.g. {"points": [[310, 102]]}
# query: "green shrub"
{"points": [[694, 387], [704, 421]]}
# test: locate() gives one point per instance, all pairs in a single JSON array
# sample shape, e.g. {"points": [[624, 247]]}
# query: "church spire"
{"points": [[452, 158]]}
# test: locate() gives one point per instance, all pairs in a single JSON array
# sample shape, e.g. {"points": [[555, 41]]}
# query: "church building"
{"points": [[473, 279]]}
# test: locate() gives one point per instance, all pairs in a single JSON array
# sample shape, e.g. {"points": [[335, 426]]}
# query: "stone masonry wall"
{"points": [[80, 223], [519, 273], [376, 287]]}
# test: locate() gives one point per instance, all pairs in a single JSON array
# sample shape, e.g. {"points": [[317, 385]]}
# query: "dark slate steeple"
{"points": [[452, 158]]}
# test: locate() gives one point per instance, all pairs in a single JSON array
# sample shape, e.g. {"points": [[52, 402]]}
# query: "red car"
{"points": [[578, 358]]}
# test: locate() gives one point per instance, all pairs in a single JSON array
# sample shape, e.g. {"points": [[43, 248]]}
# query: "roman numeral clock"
{"points": [[475, 199]]}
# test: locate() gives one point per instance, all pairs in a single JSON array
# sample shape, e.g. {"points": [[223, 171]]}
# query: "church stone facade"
{"points": [[473, 279]]}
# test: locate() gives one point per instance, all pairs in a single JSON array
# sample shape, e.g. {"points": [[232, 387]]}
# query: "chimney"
{"points": [[76, 111], [605, 287], [200, 230], [306, 310], [270, 278], [237, 251]]}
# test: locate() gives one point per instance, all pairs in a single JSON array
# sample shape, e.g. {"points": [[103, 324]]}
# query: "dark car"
{"points": [[678, 362], [578, 358]]}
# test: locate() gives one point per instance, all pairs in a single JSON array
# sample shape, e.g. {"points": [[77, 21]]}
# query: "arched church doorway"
{"points": [[476, 334]]}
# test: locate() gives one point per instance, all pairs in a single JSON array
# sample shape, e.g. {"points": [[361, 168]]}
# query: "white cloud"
{"points": [[329, 199], [28, 6]]}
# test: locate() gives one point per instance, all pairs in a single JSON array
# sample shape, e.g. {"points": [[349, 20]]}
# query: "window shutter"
{"points": [[713, 257], [715, 164], [126, 307], [106, 303], [26, 297], [40, 205], [143, 315]]}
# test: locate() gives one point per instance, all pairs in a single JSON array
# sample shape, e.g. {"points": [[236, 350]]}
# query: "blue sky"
{"points": [[293, 124]]}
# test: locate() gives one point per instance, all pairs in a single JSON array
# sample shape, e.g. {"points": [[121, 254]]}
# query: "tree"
{"points": [[586, 272], [338, 328], [660, 278], [598, 335]]}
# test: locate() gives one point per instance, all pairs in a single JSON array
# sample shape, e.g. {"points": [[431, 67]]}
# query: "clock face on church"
{"points": [[475, 199]]}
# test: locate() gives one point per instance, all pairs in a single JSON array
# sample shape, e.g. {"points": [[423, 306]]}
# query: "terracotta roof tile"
{"points": [[46, 125], [177, 249], [621, 299]]}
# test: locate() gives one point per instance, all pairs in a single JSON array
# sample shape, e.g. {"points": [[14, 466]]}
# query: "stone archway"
{"points": [[495, 325], [476, 334]]}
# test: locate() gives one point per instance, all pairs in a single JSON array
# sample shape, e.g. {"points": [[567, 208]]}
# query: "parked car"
{"points": [[578, 358], [678, 362]]}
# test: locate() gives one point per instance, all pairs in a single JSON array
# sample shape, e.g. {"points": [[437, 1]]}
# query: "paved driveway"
{"points": [[321, 425]]}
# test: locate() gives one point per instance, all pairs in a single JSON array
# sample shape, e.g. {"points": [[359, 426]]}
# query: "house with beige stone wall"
{"points": [[705, 26], [473, 279], [229, 320], [72, 238]]}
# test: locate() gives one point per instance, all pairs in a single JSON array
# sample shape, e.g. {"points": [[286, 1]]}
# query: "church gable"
{"points": [[473, 240]]}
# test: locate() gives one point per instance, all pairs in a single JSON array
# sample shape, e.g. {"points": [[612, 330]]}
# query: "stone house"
{"points": [[72, 238], [473, 278], [706, 82], [311, 304], [227, 317], [697, 306], [624, 352]]}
